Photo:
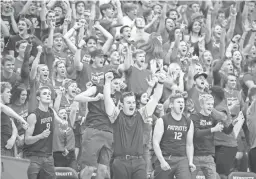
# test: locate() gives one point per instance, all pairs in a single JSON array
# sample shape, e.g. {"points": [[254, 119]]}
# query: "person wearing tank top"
{"points": [[173, 142], [205, 128], [39, 136], [128, 129]]}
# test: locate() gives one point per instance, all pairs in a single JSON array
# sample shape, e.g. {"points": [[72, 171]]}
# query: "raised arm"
{"points": [[149, 109], [35, 63], [72, 116], [77, 60], [231, 29], [127, 60], [111, 109], [109, 37]]}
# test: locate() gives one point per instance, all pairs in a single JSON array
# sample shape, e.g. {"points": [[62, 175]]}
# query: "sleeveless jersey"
{"points": [[174, 137], [44, 120]]}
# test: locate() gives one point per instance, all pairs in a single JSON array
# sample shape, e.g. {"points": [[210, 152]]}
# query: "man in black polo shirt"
{"points": [[128, 130], [173, 142]]}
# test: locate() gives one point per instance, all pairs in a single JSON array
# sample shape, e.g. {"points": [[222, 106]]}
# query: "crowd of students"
{"points": [[129, 89]]}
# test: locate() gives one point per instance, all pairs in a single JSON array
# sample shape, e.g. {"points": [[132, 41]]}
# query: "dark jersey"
{"points": [[175, 135], [44, 120], [97, 117]]}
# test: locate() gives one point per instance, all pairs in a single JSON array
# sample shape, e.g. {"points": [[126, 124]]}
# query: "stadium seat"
{"points": [[65, 173], [242, 175]]}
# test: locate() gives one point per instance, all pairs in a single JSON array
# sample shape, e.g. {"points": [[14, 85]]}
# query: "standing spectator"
{"points": [[173, 142], [39, 136], [128, 130], [9, 131]]}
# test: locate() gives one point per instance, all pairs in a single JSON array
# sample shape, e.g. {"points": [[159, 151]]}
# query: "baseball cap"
{"points": [[200, 74], [196, 15]]}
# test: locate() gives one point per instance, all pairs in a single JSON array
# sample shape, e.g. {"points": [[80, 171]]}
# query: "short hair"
{"points": [[7, 58], [78, 2], [50, 11], [122, 28], [44, 37], [104, 7], [91, 37], [5, 85], [19, 43], [168, 12], [138, 51], [39, 90], [205, 97], [57, 35], [127, 94], [128, 8]]}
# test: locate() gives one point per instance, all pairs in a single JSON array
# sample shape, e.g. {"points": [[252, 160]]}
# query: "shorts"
{"points": [[206, 165], [225, 157], [96, 147], [179, 169]]}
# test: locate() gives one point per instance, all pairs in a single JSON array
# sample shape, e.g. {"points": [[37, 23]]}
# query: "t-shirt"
{"points": [[63, 139], [203, 138], [221, 138], [11, 45], [247, 77], [128, 134], [12, 80], [95, 75], [21, 110], [137, 79]]}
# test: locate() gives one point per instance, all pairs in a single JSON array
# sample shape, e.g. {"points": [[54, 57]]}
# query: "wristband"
{"points": [[79, 48], [233, 41], [253, 30], [161, 83]]}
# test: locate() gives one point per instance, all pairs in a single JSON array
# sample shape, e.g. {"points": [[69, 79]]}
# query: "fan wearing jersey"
{"points": [[97, 138], [128, 129], [173, 142], [39, 136], [205, 128]]}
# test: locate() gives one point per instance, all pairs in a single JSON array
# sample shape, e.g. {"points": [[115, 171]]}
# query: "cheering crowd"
{"points": [[129, 89]]}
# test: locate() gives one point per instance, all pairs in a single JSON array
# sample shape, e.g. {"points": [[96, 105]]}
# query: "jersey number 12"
{"points": [[177, 135]]}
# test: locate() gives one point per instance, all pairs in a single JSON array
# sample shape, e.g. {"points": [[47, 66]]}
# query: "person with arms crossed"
{"points": [[39, 136], [128, 129], [173, 142]]}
